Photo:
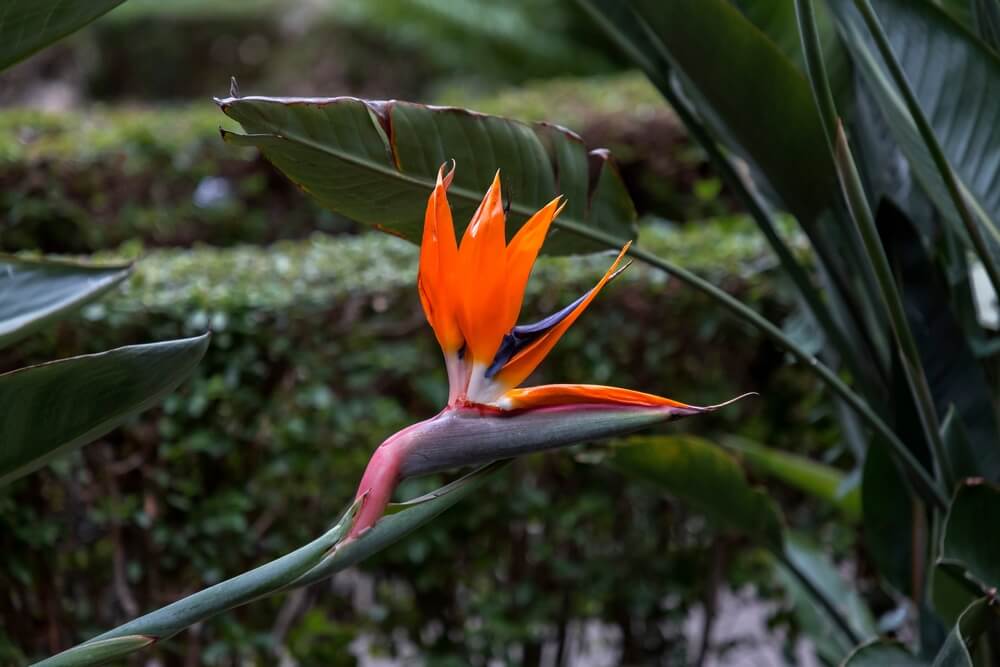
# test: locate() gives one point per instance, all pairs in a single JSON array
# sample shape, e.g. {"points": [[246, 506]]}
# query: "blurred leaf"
{"points": [[954, 375], [888, 511], [881, 653], [376, 162], [35, 292], [773, 118], [975, 620], [810, 560], [51, 408], [970, 539], [952, 591], [931, 48], [27, 26], [816, 479], [702, 474], [986, 16]]}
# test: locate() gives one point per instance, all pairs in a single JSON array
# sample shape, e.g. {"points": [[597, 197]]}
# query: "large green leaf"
{"points": [[971, 540], [954, 375], [704, 475], [818, 480], [48, 409], [35, 292], [376, 162], [27, 26], [956, 80], [722, 55]]}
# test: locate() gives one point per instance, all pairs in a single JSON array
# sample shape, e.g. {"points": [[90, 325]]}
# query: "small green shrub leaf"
{"points": [[704, 475], [35, 292], [27, 26], [376, 162], [51, 408]]}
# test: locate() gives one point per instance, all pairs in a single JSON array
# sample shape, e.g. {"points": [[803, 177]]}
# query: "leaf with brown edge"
{"points": [[376, 162]]}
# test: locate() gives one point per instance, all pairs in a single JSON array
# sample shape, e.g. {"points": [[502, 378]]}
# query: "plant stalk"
{"points": [[923, 484]]}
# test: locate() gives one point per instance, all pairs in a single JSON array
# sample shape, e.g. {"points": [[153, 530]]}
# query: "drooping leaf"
{"points": [[376, 162], [314, 561], [818, 480], [27, 26], [705, 476], [956, 80], [980, 616], [721, 54], [954, 375], [883, 652], [970, 539], [48, 409], [35, 292], [810, 560]]}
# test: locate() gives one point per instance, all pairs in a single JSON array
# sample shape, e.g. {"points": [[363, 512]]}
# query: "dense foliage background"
{"points": [[320, 352]]}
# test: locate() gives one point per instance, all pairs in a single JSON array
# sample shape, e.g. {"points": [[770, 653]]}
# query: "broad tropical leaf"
{"points": [[51, 408], [376, 162], [955, 376], [35, 292], [956, 80], [721, 54], [27, 26], [980, 616], [706, 476]]}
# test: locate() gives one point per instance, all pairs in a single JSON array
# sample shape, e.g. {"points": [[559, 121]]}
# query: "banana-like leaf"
{"points": [[376, 162], [48, 409], [954, 375], [708, 478], [970, 540], [27, 26], [35, 292], [320, 558], [816, 479], [956, 80], [721, 54]]}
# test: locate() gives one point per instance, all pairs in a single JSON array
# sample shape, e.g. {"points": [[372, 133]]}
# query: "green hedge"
{"points": [[78, 182], [320, 351]]}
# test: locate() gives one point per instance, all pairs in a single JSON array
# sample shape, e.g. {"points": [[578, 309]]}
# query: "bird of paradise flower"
{"points": [[472, 295]]}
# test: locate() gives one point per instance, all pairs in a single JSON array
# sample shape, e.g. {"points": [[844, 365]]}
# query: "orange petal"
{"points": [[482, 276], [555, 395], [438, 264], [525, 361], [521, 254]]}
